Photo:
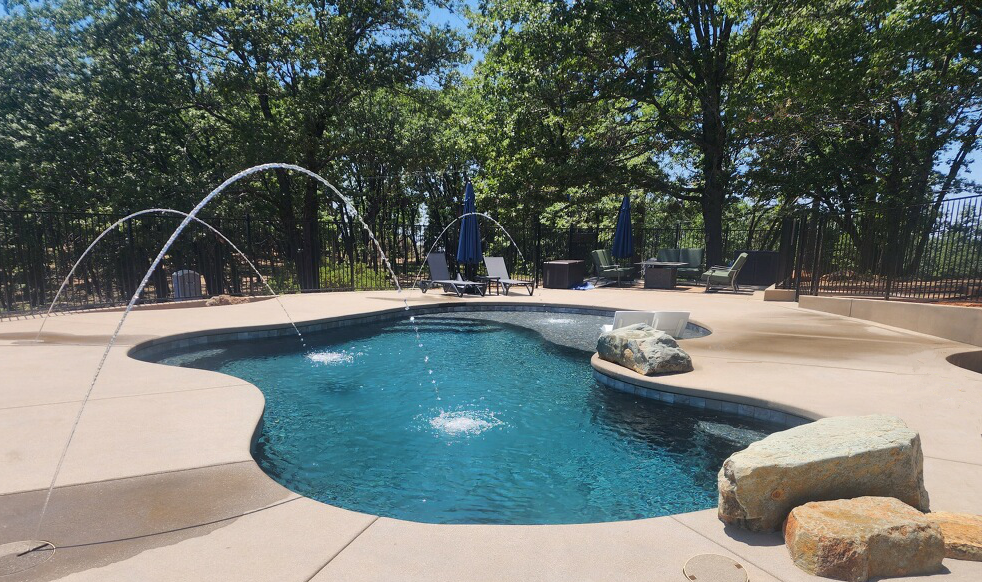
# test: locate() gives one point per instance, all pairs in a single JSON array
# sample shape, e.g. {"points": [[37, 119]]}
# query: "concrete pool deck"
{"points": [[159, 483]]}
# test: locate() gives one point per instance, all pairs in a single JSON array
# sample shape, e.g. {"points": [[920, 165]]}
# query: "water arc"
{"points": [[349, 207], [110, 228]]}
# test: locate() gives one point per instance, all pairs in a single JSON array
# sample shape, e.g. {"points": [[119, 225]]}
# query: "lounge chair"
{"points": [[671, 322], [607, 268], [725, 275], [440, 277], [498, 270]]}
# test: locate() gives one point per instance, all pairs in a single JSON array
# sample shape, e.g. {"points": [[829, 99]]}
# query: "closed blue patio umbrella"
{"points": [[469, 244], [623, 237]]}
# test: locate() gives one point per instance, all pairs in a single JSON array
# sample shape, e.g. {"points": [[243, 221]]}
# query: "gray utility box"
{"points": [[187, 285]]}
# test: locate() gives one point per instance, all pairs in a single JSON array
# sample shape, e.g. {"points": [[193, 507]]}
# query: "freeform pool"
{"points": [[473, 419]]}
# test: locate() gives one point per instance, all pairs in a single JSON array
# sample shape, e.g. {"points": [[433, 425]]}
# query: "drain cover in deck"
{"points": [[19, 556], [714, 568]]}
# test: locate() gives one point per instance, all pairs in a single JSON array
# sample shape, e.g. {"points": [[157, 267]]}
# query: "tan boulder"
{"points": [[833, 458], [643, 349], [962, 534], [226, 300], [856, 539]]}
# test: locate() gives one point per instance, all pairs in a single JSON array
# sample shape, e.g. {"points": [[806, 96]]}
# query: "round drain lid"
{"points": [[19, 556], [714, 568]]}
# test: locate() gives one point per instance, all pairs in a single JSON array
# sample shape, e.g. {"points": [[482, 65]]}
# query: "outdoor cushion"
{"points": [[723, 275], [668, 256], [693, 259]]}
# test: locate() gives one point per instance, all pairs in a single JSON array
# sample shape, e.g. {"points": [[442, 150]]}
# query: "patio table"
{"points": [[489, 281]]}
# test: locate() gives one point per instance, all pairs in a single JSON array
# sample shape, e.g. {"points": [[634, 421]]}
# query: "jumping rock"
{"points": [[856, 539], [832, 458], [643, 349], [962, 534]]}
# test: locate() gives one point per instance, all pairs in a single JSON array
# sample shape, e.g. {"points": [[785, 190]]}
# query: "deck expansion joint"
{"points": [[343, 548]]}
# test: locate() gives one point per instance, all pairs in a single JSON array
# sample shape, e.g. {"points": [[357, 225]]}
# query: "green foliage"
{"points": [[717, 114]]}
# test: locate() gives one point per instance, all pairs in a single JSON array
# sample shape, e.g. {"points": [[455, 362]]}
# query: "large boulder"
{"points": [[643, 349], [856, 539], [832, 458], [962, 534]]}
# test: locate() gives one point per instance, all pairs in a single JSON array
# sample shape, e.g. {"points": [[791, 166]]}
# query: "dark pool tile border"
{"points": [[150, 349], [702, 403]]}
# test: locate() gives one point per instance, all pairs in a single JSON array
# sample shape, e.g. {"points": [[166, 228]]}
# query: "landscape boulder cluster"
{"points": [[848, 494]]}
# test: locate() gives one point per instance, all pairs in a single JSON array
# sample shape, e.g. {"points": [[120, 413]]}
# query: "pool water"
{"points": [[472, 420]]}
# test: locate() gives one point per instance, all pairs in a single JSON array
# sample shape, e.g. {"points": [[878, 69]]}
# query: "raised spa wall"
{"points": [[151, 350]]}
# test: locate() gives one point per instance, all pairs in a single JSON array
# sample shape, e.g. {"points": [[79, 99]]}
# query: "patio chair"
{"points": [[725, 275], [607, 268], [693, 259], [440, 277], [498, 270]]}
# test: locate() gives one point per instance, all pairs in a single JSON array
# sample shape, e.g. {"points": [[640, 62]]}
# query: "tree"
{"points": [[626, 88], [867, 101]]}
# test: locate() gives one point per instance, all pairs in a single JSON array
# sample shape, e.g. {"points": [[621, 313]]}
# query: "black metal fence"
{"points": [[38, 250], [930, 252], [927, 252]]}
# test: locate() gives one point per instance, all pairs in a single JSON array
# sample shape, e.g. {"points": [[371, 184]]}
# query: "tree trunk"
{"points": [[714, 192]]}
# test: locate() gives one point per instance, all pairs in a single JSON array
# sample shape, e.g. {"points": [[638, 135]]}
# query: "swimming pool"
{"points": [[473, 418]]}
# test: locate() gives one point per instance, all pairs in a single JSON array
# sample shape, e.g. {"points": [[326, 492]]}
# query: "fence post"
{"points": [[817, 253], [537, 260], [351, 257], [251, 253], [678, 235], [893, 244], [799, 261], [131, 284], [784, 251]]}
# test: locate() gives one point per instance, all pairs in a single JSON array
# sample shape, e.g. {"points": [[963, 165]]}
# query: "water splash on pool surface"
{"points": [[328, 357], [464, 422]]}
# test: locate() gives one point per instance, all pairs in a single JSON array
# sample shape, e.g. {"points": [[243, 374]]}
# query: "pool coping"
{"points": [[660, 389]]}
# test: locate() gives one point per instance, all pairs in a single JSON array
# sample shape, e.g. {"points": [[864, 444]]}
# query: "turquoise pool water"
{"points": [[473, 419]]}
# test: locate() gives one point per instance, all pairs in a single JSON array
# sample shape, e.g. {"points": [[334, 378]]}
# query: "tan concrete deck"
{"points": [[159, 483]]}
